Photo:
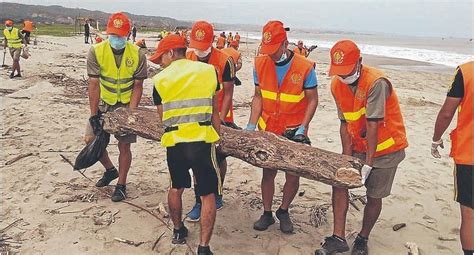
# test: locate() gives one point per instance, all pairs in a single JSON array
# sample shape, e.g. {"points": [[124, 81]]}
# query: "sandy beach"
{"points": [[58, 211]]}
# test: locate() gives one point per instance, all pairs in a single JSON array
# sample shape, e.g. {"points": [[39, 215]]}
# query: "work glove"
{"points": [[434, 148], [96, 124], [301, 138], [250, 127], [231, 125], [365, 172]]}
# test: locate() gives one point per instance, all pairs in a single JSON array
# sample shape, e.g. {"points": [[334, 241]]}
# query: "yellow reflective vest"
{"points": [[116, 84], [186, 89], [13, 38]]}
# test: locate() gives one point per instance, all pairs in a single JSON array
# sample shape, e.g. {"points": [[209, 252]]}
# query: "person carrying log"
{"points": [[372, 129], [116, 71], [185, 95], [459, 99], [285, 100]]}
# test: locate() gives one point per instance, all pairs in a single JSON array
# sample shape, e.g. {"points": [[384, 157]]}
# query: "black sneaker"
{"points": [[17, 76], [286, 226], [359, 247], [12, 75], [119, 193], [332, 244], [204, 250], [179, 236], [108, 176], [263, 223]]}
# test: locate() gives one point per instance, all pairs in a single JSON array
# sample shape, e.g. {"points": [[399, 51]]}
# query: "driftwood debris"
{"points": [[261, 149]]}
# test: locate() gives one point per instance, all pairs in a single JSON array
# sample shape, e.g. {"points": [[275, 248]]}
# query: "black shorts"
{"points": [[201, 158], [463, 179]]}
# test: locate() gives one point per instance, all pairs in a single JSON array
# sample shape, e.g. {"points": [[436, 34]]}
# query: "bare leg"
{"points": [[18, 67], [223, 169], [340, 204], [371, 214], [289, 190], [125, 160], [208, 217], [268, 188], [467, 228], [175, 205]]}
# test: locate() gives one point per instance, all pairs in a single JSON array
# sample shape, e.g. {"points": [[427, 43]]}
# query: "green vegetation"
{"points": [[69, 30]]}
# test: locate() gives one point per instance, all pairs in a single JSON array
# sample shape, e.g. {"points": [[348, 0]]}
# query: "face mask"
{"points": [[9, 28], [282, 58], [350, 79], [202, 54], [117, 42]]}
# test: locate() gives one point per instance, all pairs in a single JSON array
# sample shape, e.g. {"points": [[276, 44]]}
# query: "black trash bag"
{"points": [[92, 152]]}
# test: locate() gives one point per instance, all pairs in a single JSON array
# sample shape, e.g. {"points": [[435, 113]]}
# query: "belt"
{"points": [[174, 128]]}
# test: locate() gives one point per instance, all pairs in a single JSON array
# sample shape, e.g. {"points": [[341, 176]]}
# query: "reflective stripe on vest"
{"points": [[282, 106], [186, 89], [391, 133], [13, 39], [116, 84], [462, 137], [219, 60]]}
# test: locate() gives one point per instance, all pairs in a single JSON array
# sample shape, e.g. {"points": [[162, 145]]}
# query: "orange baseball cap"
{"points": [[9, 22], [344, 56], [234, 43], [272, 36], [118, 24], [202, 35], [170, 42]]}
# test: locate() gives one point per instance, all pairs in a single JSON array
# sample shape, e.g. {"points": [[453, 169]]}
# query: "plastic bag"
{"points": [[25, 53], [92, 152]]}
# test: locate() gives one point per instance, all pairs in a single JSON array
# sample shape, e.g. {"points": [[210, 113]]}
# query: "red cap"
{"points": [[344, 56], [118, 24], [9, 22], [234, 43], [272, 36], [202, 35], [170, 42]]}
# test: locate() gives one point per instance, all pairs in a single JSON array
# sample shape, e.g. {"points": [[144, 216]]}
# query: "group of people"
{"points": [[229, 40], [16, 40], [193, 95]]}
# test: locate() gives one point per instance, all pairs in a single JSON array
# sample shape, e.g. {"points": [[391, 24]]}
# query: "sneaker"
{"points": [[286, 226], [195, 213], [17, 76], [119, 193], [359, 247], [263, 223], [108, 176], [219, 203], [179, 235], [204, 250], [332, 244], [12, 75]]}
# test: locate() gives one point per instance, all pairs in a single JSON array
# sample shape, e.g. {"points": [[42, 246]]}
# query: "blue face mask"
{"points": [[117, 42]]}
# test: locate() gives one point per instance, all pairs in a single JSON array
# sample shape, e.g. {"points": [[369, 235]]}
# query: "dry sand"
{"points": [[45, 115]]}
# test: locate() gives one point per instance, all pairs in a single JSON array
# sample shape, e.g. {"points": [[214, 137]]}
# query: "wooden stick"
{"points": [[15, 159]]}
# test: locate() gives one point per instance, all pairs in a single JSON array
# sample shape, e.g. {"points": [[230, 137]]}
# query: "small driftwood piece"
{"points": [[125, 241], [15, 159], [261, 149], [412, 248]]}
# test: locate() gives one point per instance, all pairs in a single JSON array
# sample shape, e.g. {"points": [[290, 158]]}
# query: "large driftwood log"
{"points": [[261, 149]]}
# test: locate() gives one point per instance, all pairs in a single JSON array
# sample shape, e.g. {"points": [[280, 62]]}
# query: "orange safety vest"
{"points": [[235, 54], [220, 42], [28, 26], [237, 37], [391, 136], [284, 106], [218, 59], [462, 137], [301, 52], [229, 38]]}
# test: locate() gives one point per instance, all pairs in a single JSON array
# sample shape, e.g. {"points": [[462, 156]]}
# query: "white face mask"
{"points": [[282, 58], [350, 79], [202, 54]]}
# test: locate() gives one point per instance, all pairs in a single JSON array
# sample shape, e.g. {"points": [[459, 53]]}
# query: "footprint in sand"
{"points": [[417, 208]]}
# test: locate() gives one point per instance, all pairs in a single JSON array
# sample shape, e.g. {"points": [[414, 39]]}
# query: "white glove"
{"points": [[434, 148], [365, 172]]}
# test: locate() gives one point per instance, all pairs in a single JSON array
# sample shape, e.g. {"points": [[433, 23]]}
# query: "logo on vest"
{"points": [[360, 94], [338, 57], [267, 37], [129, 62], [295, 78], [200, 34], [118, 23]]}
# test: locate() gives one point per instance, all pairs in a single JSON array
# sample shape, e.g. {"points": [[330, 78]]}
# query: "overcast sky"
{"points": [[440, 18]]}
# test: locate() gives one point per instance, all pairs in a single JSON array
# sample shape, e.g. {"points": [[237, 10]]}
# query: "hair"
{"points": [[179, 52]]}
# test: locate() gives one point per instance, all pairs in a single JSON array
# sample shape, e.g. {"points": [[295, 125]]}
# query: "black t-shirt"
{"points": [[86, 28], [229, 70], [457, 87], [157, 98]]}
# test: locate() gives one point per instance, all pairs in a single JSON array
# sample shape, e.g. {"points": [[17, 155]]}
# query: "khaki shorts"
{"points": [[103, 107], [379, 183], [15, 53]]}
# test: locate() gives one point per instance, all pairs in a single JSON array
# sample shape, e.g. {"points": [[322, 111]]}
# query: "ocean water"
{"points": [[434, 55]]}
